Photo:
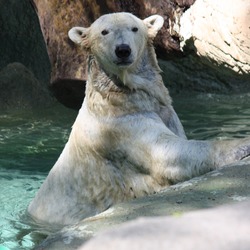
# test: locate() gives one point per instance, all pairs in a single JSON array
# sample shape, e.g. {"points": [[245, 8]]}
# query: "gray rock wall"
{"points": [[20, 89], [21, 41]]}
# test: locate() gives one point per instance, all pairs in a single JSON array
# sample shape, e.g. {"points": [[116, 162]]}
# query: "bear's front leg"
{"points": [[171, 159], [179, 160]]}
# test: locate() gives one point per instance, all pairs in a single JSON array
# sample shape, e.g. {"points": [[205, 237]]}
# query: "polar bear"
{"points": [[127, 140]]}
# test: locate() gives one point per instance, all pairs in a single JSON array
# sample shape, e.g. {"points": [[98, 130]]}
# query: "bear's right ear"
{"points": [[79, 36], [154, 24]]}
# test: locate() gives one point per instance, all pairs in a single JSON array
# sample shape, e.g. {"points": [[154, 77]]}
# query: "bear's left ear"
{"points": [[79, 35], [154, 24]]}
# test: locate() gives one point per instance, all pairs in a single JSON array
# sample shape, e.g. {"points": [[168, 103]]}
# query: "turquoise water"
{"points": [[30, 143]]}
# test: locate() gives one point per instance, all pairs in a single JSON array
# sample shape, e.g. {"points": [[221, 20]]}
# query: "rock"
{"points": [[223, 228], [21, 39], [225, 186], [219, 31], [23, 84], [195, 74], [19, 89], [215, 41]]}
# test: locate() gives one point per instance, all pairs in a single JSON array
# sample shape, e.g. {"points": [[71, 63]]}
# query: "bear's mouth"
{"points": [[123, 63]]}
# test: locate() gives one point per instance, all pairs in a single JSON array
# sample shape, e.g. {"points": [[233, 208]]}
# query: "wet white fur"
{"points": [[126, 142]]}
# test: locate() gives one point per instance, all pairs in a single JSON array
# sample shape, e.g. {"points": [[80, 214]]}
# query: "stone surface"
{"points": [[220, 32], [20, 89], [225, 186], [23, 84], [215, 39], [223, 228], [68, 63], [193, 73], [21, 39]]}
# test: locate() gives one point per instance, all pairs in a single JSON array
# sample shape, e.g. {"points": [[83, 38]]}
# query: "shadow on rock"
{"points": [[19, 89]]}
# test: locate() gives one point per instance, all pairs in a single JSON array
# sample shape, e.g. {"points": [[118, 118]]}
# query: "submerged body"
{"points": [[127, 140]]}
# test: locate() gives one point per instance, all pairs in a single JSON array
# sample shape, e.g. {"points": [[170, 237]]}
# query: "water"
{"points": [[30, 143], [209, 116]]}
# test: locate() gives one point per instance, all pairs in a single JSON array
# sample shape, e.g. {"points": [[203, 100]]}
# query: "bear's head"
{"points": [[117, 40]]}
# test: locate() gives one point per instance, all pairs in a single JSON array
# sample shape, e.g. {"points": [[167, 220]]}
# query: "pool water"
{"points": [[31, 141]]}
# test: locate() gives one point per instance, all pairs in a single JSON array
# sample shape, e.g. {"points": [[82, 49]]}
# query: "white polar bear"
{"points": [[127, 140]]}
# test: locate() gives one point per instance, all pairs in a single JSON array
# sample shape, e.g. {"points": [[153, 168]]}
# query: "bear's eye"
{"points": [[105, 32], [134, 29]]}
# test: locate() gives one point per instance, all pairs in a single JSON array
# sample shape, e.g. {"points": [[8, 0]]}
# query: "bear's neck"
{"points": [[103, 81], [138, 89]]}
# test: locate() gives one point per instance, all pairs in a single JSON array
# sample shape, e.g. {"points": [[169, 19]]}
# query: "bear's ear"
{"points": [[154, 24], [79, 36]]}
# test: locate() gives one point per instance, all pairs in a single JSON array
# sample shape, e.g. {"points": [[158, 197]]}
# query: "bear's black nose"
{"points": [[123, 51]]}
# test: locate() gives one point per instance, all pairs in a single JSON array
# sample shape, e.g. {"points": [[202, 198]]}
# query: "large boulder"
{"points": [[222, 228], [23, 84], [20, 89], [21, 39], [215, 39], [220, 32]]}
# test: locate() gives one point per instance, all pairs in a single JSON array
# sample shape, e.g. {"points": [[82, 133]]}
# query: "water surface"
{"points": [[31, 141]]}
